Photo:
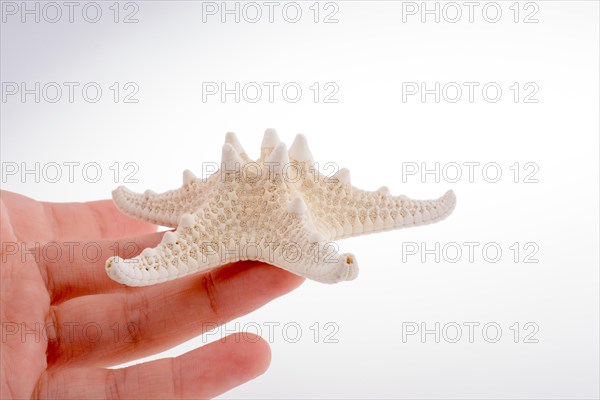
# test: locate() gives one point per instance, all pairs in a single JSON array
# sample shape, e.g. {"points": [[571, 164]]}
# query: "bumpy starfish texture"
{"points": [[278, 209]]}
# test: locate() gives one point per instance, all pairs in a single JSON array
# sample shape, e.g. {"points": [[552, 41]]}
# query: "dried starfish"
{"points": [[278, 209]]}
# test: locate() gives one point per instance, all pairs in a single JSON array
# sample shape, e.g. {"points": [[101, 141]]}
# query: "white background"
{"points": [[368, 54]]}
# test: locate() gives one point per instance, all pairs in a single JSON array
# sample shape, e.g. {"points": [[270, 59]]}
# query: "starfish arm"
{"points": [[303, 250], [186, 251], [346, 211], [165, 208]]}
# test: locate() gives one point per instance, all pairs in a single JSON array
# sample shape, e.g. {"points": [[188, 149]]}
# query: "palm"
{"points": [[63, 319]]}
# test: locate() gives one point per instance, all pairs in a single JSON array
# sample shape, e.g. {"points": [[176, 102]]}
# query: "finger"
{"points": [[201, 373], [96, 219], [113, 328], [45, 221], [76, 268]]}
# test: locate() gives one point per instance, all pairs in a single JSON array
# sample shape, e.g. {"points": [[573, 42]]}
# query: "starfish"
{"points": [[279, 209]]}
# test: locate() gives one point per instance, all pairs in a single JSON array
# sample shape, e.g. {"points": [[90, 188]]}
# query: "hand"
{"points": [[64, 320]]}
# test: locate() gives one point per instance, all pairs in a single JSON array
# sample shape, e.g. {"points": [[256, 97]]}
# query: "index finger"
{"points": [[33, 220]]}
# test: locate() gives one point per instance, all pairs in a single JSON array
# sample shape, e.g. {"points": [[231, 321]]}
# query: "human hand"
{"points": [[64, 320]]}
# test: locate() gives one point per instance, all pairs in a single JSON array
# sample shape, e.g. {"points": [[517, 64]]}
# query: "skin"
{"points": [[47, 299]]}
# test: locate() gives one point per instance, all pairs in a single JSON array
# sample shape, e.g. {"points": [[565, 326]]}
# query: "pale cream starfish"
{"points": [[278, 209]]}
